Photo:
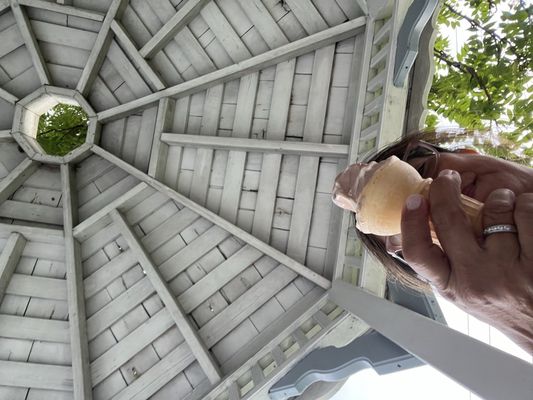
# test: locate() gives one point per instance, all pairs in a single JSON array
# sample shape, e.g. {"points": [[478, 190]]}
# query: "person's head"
{"points": [[430, 153]]}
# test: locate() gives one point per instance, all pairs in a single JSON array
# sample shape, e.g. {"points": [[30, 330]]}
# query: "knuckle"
{"points": [[500, 201], [524, 204]]}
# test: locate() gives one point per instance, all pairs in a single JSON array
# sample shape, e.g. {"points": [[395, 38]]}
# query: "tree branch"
{"points": [[441, 55], [497, 38]]}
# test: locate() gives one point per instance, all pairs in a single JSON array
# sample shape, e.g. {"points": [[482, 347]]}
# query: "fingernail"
{"points": [[413, 202]]}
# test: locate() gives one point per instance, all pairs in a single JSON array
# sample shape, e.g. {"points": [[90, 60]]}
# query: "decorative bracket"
{"points": [[418, 15]]}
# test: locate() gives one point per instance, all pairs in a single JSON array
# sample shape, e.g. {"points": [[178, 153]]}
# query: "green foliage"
{"points": [[62, 129], [487, 85]]}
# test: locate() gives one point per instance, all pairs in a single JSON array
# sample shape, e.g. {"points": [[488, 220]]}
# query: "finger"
{"points": [[499, 209], [455, 233], [523, 217], [426, 258]]}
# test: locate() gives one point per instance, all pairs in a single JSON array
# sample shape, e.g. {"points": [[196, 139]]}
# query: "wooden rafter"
{"points": [[129, 47], [10, 98], [100, 47], [16, 178], [179, 316], [9, 259], [6, 137], [217, 220], [158, 156], [63, 9], [167, 32], [257, 145], [75, 293], [31, 42], [272, 57]]}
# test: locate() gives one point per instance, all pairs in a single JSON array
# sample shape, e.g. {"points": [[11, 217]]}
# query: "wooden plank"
{"points": [[63, 9], [127, 44], [159, 375], [306, 13], [175, 24], [217, 220], [264, 22], [227, 320], [47, 330], [218, 277], [76, 299], [31, 42], [16, 178], [158, 156], [99, 50], [37, 286], [108, 273], [196, 249], [116, 309], [31, 212], [39, 376], [9, 259], [272, 57], [270, 169], [242, 125], [126, 71], [257, 145], [199, 350], [124, 350], [308, 168], [204, 157]]}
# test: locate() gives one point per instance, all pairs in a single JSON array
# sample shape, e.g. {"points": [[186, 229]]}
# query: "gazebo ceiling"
{"points": [[184, 251]]}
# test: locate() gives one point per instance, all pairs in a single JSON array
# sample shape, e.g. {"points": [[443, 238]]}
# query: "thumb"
{"points": [[424, 257]]}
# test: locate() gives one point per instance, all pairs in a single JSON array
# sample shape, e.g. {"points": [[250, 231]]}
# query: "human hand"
{"points": [[489, 277]]}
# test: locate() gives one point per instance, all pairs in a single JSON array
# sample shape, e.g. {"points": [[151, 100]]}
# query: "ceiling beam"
{"points": [[79, 344], [31, 42], [16, 177], [217, 220], [63, 9], [9, 259], [10, 98], [129, 47], [175, 24], [272, 57], [6, 137], [100, 47], [257, 145], [200, 351]]}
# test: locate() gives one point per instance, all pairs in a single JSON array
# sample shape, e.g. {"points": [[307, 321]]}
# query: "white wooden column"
{"points": [[75, 293], [486, 371]]}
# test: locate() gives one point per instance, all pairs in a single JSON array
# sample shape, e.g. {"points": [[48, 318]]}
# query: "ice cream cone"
{"points": [[379, 200]]}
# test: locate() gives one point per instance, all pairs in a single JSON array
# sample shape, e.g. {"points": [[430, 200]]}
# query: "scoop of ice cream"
{"points": [[349, 185], [376, 192]]}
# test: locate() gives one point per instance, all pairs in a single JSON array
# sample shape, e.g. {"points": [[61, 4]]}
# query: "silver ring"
{"points": [[500, 228]]}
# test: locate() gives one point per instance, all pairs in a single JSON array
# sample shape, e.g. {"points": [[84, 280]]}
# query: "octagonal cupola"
{"points": [[54, 125]]}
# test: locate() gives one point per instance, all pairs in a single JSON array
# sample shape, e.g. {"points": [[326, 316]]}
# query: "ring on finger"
{"points": [[499, 228]]}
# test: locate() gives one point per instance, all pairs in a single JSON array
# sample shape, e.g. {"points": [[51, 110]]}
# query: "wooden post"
{"points": [[486, 371], [75, 293]]}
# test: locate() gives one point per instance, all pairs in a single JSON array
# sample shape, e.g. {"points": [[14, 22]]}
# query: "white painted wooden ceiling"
{"points": [[204, 234]]}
